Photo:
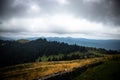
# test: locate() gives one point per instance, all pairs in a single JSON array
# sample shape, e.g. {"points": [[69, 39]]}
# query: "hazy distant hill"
{"points": [[107, 44], [5, 38]]}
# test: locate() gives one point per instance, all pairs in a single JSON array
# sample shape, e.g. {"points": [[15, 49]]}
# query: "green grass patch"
{"points": [[109, 70]]}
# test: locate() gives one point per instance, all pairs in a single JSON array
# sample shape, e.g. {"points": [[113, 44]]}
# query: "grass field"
{"points": [[110, 70], [30, 71]]}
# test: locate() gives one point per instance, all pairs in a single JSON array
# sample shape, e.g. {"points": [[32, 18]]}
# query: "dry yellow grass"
{"points": [[30, 71]]}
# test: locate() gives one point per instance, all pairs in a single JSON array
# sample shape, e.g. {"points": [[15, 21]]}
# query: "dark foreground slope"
{"points": [[107, 71]]}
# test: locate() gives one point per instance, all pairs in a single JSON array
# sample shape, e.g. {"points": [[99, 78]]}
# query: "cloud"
{"points": [[63, 2], [105, 11], [75, 18], [92, 1], [24, 8], [96, 10], [60, 24], [8, 10]]}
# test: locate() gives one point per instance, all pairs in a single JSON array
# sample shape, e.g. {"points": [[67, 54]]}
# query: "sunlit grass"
{"points": [[30, 71]]}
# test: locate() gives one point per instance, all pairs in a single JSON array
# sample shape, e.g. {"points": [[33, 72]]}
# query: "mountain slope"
{"points": [[15, 52], [107, 44]]}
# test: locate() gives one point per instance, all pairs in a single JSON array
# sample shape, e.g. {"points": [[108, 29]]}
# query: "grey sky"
{"points": [[98, 19]]}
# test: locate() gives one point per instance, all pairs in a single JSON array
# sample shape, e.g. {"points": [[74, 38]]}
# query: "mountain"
{"points": [[23, 51], [5, 38], [107, 44]]}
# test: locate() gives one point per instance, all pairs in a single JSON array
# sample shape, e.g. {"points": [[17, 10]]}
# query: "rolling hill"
{"points": [[106, 44]]}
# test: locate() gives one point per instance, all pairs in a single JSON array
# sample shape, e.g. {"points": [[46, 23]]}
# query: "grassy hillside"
{"points": [[107, 71], [30, 71], [22, 40]]}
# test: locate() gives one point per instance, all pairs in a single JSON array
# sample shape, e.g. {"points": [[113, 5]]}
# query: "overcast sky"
{"points": [[94, 19]]}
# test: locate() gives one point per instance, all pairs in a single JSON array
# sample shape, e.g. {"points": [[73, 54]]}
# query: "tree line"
{"points": [[18, 52]]}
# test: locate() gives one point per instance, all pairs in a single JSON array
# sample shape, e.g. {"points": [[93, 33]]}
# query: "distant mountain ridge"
{"points": [[107, 44]]}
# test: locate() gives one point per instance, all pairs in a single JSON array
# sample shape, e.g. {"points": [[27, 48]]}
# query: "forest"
{"points": [[24, 51]]}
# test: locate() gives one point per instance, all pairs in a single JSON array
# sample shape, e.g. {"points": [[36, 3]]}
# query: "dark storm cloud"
{"points": [[106, 11], [13, 8], [3, 7], [0, 22], [116, 11], [116, 7], [18, 8], [7, 10]]}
